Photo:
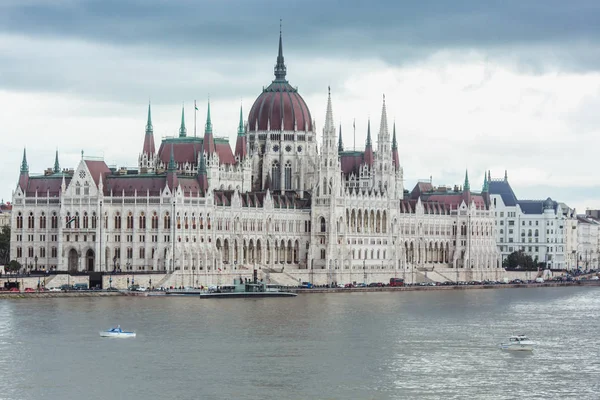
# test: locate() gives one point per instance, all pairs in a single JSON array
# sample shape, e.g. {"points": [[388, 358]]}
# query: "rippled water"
{"points": [[409, 345]]}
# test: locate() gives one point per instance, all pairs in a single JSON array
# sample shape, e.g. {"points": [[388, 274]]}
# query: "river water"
{"points": [[394, 345]]}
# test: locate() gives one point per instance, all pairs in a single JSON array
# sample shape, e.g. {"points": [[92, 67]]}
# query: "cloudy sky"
{"points": [[512, 87]]}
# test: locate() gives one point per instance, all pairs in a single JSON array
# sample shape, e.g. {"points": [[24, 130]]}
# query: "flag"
{"points": [[219, 269], [195, 106], [69, 221]]}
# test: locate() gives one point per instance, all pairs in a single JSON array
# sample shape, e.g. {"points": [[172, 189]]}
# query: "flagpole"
{"points": [[195, 109]]}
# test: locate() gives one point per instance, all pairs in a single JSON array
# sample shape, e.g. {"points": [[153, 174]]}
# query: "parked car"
{"points": [[29, 290], [54, 289]]}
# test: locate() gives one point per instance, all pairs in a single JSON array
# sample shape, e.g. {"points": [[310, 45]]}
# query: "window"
{"points": [[43, 221], [167, 221], [276, 175], [31, 221], [85, 220], [142, 223], [19, 252], [19, 220], [86, 188], [118, 221], [323, 227], [154, 221], [142, 252], [288, 175], [130, 221], [129, 253], [53, 252], [54, 221], [322, 254], [42, 252]]}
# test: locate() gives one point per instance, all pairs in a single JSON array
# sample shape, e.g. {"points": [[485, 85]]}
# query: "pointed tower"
{"points": [[395, 159], [202, 175], [485, 187], [369, 147], [172, 171], [182, 130], [280, 69], [340, 142], [466, 186], [505, 176], [383, 138], [208, 143], [467, 190], [149, 148], [24, 176], [241, 144], [56, 168], [485, 191]]}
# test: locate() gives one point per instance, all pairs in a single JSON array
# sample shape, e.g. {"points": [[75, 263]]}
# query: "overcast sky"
{"points": [[512, 87]]}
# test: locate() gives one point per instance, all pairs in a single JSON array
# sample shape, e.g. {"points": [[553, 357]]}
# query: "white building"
{"points": [[588, 238], [274, 201], [544, 229]]}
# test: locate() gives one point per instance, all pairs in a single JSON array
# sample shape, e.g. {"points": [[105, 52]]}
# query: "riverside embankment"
{"points": [[101, 293]]}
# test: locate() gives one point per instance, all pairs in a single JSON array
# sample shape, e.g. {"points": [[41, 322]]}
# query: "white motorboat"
{"points": [[117, 333], [518, 343]]}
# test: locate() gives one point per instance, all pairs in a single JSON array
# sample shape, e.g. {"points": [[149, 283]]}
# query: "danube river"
{"points": [[396, 345]]}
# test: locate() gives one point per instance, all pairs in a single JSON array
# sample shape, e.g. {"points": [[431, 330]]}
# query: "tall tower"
{"points": [[147, 158], [383, 159]]}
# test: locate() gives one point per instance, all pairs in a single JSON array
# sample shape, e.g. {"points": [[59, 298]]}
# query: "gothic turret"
{"points": [[172, 171], [209, 140], [467, 189], [395, 159], [383, 138], [241, 142], [340, 142], [24, 176], [149, 148], [202, 176]]}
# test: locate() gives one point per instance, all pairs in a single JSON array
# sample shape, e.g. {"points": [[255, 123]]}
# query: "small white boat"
{"points": [[117, 333], [518, 343]]}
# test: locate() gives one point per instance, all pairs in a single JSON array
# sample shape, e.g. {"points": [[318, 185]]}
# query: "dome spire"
{"points": [[280, 70], [182, 130]]}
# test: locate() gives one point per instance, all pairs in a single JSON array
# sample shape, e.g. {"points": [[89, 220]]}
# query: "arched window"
{"points": [[323, 226], [167, 221], [288, 175], [86, 188], [85, 220], [142, 252], [43, 221], [54, 221], [130, 220], [154, 220], [76, 220], [31, 221], [142, 224], [129, 253], [78, 188], [94, 220], [117, 221], [276, 175], [322, 254], [42, 252], [19, 220]]}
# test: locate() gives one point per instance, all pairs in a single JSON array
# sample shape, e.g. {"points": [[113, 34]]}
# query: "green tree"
{"points": [[4, 245], [13, 266], [520, 261]]}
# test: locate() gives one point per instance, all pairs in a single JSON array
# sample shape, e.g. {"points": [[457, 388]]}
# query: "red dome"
{"points": [[280, 101]]}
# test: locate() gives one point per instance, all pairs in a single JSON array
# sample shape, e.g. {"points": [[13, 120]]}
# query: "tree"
{"points": [[13, 266], [4, 245], [520, 261]]}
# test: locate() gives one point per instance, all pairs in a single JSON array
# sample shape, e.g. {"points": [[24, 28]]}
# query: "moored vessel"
{"points": [[518, 343]]}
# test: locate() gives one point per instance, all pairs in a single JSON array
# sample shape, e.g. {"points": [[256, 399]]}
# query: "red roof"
{"points": [[97, 168], [187, 150], [280, 101], [351, 163], [45, 184], [132, 183]]}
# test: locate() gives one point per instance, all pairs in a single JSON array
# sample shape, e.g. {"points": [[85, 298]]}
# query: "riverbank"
{"points": [[101, 293]]}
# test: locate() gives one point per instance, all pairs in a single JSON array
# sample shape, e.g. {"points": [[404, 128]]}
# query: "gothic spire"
{"points": [[148, 147], [489, 176], [24, 165], [395, 158], [241, 124], [149, 123], [182, 130], [368, 158], [485, 184], [505, 176], [340, 143], [394, 142], [280, 70], [208, 127], [467, 187], [56, 169], [329, 127], [383, 127], [202, 164]]}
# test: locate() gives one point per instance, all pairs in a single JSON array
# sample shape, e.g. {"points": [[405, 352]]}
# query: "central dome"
{"points": [[279, 106]]}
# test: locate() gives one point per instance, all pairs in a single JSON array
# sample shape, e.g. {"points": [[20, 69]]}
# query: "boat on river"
{"points": [[117, 333], [518, 343], [245, 288]]}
